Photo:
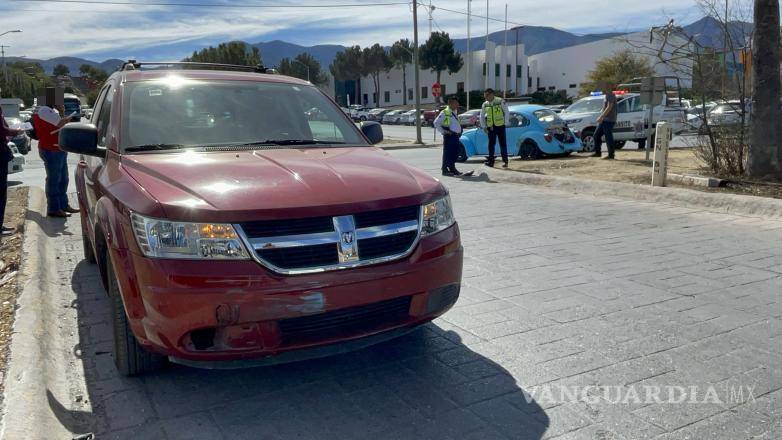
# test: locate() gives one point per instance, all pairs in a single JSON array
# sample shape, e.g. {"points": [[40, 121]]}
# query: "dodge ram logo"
{"points": [[347, 248], [347, 237]]}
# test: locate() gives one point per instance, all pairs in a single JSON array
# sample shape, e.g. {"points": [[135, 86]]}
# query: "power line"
{"points": [[215, 5]]}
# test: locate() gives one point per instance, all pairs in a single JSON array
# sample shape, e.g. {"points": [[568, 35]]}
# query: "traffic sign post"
{"points": [[661, 144]]}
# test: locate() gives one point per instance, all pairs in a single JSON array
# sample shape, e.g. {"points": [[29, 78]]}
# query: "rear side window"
{"points": [[545, 116]]}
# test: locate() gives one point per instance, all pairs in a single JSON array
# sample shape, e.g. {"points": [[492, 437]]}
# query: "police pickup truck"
{"points": [[632, 118]]}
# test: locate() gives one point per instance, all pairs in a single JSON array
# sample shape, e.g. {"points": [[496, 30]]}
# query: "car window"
{"points": [[586, 106], [623, 106], [518, 120], [104, 117], [199, 113], [545, 116]]}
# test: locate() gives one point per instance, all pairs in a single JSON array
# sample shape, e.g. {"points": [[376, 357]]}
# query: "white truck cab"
{"points": [[631, 122]]}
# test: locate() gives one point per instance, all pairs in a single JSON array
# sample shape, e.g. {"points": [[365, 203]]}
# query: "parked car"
{"points": [[470, 118], [632, 119], [408, 117], [392, 117], [727, 114], [25, 115], [431, 115], [72, 105], [359, 113], [376, 114], [534, 132], [227, 238], [17, 164], [22, 140], [88, 113]]}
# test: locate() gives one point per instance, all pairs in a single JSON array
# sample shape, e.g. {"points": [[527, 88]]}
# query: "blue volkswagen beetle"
{"points": [[534, 132]]}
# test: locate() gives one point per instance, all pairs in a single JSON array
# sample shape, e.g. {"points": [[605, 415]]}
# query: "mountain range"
{"points": [[537, 39]]}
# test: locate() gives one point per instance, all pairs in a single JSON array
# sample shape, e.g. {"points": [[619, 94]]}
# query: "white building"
{"points": [[566, 69], [507, 71]]}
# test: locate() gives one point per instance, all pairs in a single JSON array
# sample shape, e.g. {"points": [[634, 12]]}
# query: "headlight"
{"points": [[191, 241], [438, 215]]}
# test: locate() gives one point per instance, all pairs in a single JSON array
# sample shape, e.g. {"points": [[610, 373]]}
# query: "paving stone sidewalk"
{"points": [[560, 292]]}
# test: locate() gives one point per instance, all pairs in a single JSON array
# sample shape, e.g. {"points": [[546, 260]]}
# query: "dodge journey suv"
{"points": [[231, 228]]}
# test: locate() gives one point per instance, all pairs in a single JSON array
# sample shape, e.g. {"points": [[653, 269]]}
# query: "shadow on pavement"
{"points": [[424, 385], [51, 226]]}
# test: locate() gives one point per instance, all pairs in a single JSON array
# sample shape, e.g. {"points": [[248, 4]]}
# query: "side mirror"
{"points": [[80, 138], [373, 131]]}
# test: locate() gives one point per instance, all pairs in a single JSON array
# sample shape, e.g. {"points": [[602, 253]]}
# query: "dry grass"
{"points": [[10, 259]]}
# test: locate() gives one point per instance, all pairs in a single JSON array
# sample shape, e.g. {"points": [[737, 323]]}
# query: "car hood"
{"points": [[253, 185], [572, 116]]}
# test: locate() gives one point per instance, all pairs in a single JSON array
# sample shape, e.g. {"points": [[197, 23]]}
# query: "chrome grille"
{"points": [[319, 244]]}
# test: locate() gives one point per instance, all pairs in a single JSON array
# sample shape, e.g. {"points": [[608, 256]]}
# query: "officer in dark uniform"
{"points": [[447, 124]]}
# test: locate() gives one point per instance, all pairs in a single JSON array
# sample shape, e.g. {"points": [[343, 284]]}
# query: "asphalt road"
{"points": [[573, 309]]}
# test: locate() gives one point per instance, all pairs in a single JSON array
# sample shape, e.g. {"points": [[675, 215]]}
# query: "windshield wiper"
{"points": [[149, 147]]}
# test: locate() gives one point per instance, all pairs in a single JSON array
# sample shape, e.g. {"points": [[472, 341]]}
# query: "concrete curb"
{"points": [[692, 180], [38, 346], [723, 203]]}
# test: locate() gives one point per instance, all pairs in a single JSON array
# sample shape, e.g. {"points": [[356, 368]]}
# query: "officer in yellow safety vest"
{"points": [[447, 124], [494, 119]]}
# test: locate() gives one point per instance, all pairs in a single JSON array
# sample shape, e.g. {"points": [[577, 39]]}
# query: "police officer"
{"points": [[447, 124], [494, 119]]}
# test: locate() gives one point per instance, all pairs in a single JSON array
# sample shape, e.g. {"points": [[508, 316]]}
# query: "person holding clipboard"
{"points": [[47, 123]]}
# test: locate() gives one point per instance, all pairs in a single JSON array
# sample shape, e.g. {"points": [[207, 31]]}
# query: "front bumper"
{"points": [[202, 312]]}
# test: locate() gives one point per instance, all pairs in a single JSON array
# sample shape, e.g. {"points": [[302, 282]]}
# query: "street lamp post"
{"points": [[2, 53]]}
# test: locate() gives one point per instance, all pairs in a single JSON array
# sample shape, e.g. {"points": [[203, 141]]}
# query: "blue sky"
{"points": [[99, 32]]}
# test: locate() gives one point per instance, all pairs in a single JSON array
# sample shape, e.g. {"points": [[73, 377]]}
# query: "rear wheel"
{"points": [[529, 151], [462, 157], [130, 357]]}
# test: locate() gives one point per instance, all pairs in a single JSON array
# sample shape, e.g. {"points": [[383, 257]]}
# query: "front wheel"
{"points": [[130, 357], [462, 156], [588, 140]]}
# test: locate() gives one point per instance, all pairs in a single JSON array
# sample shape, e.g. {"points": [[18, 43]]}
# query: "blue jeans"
{"points": [[605, 128], [56, 163]]}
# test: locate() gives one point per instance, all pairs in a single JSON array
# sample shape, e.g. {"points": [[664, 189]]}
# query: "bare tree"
{"points": [[764, 155]]}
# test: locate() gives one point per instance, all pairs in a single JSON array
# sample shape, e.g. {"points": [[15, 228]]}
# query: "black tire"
{"points": [[642, 143], [89, 251], [529, 150], [462, 157], [130, 357], [588, 140], [618, 145]]}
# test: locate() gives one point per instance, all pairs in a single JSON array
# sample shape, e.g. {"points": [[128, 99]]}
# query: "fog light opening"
{"points": [[203, 339]]}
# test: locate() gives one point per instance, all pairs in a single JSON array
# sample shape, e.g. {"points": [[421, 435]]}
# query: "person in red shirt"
{"points": [[47, 123], [6, 155]]}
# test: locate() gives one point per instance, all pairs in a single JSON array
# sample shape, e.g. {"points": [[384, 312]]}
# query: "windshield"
{"points": [[590, 105], [177, 112], [72, 106]]}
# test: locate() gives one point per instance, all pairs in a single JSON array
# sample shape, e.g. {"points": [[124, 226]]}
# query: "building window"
{"points": [[497, 69], [573, 86], [552, 88], [366, 100], [507, 71], [538, 81], [484, 69], [409, 94], [460, 87], [387, 96], [529, 82], [518, 71], [541, 89], [424, 92], [442, 90]]}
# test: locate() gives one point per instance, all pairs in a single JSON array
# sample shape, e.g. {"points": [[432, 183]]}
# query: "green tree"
{"points": [[438, 55], [348, 66], [61, 70], [304, 66], [401, 54], [375, 60], [616, 69], [25, 80], [765, 152], [234, 52]]}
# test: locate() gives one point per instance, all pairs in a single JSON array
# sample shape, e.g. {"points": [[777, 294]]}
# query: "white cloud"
{"points": [[57, 29]]}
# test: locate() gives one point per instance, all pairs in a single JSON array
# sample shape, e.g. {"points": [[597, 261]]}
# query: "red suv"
{"points": [[232, 228]]}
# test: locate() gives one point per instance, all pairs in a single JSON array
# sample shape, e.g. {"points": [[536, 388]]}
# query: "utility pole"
{"points": [[486, 51], [469, 54], [430, 10], [505, 54], [5, 68], [725, 50], [417, 75]]}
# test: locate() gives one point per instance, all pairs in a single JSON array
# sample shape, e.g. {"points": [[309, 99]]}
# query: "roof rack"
{"points": [[138, 65]]}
